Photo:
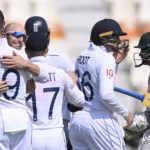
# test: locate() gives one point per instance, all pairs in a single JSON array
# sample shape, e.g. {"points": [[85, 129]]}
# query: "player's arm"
{"points": [[71, 107], [73, 94], [16, 61], [73, 76], [106, 86]]}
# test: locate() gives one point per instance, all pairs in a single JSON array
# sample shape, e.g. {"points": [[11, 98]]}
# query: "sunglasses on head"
{"points": [[17, 34]]}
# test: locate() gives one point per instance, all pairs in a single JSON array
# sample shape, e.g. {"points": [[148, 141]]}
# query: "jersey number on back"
{"points": [[11, 87], [85, 85], [33, 97]]}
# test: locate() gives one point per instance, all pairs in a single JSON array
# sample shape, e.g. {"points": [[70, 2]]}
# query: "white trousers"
{"points": [[19, 140], [98, 133], [48, 139]]}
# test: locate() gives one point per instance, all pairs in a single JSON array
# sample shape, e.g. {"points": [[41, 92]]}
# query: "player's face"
{"points": [[122, 51], [15, 40]]}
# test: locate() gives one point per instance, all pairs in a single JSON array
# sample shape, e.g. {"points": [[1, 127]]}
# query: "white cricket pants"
{"points": [[96, 133], [20, 140], [48, 139]]}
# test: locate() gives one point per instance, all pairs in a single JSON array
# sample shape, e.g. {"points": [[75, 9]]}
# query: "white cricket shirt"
{"points": [[95, 69], [45, 107]]}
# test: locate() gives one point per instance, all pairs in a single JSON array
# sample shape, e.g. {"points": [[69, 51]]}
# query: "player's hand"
{"points": [[73, 76], [15, 61], [3, 86], [129, 119]]}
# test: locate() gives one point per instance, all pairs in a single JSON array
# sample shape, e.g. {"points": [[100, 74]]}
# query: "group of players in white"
{"points": [[35, 90], [42, 107]]}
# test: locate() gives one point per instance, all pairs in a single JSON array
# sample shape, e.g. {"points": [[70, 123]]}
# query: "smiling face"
{"points": [[15, 34]]}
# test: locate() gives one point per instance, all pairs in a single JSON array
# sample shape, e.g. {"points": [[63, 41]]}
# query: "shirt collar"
{"points": [[92, 46], [39, 58]]}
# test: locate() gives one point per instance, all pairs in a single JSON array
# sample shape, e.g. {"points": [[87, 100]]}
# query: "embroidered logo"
{"points": [[35, 27]]}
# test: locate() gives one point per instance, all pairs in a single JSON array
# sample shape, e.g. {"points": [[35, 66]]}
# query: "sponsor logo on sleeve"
{"points": [[109, 73]]}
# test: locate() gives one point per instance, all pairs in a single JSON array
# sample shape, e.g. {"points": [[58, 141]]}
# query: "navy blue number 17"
{"points": [[33, 97]]}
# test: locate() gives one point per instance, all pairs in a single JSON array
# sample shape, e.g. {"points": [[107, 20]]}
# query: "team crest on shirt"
{"points": [[109, 73]]}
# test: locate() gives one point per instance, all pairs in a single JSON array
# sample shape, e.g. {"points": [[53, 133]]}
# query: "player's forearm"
{"points": [[18, 62], [72, 92], [43, 75], [38, 72], [32, 68], [112, 103], [75, 97]]}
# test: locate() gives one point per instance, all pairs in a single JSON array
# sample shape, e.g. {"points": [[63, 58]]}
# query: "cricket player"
{"points": [[95, 127], [140, 59], [15, 128], [45, 105], [59, 60], [15, 122]]}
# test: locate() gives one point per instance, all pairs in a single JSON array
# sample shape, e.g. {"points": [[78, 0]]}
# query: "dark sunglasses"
{"points": [[17, 35]]}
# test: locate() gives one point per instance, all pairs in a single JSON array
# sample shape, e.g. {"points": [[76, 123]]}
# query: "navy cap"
{"points": [[36, 42]]}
